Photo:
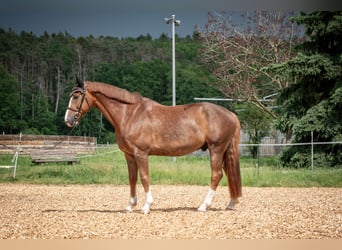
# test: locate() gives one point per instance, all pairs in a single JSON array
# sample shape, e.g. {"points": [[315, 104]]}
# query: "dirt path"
{"points": [[92, 211]]}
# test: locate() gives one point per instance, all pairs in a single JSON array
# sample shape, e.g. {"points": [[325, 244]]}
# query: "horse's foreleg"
{"points": [[132, 202], [145, 180], [216, 175], [133, 178]]}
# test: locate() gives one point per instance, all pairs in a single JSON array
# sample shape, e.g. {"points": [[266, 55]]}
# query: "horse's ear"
{"points": [[79, 83]]}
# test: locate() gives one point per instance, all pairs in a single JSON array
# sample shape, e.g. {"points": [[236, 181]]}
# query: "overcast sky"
{"points": [[124, 18]]}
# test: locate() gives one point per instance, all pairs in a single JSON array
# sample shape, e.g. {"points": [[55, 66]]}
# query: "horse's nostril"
{"points": [[70, 121]]}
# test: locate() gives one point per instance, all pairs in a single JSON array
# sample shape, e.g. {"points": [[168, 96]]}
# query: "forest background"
{"points": [[38, 72], [301, 72]]}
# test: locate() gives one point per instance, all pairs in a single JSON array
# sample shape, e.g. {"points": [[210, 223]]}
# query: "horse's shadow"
{"points": [[163, 210], [186, 209], [83, 210]]}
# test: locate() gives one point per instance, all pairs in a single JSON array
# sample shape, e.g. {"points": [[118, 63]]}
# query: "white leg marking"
{"points": [[148, 203], [132, 202], [207, 201]]}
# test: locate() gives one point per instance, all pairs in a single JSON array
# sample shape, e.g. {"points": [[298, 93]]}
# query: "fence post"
{"points": [[258, 157], [312, 151], [17, 156]]}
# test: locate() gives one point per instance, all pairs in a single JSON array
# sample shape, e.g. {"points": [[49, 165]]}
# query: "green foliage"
{"points": [[9, 102], [256, 122], [315, 66], [37, 74], [324, 31], [312, 102]]}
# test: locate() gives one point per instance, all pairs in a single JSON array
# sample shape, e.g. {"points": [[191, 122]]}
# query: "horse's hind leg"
{"points": [[216, 162], [232, 170]]}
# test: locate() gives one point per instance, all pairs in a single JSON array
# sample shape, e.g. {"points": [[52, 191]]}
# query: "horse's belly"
{"points": [[172, 151], [176, 144]]}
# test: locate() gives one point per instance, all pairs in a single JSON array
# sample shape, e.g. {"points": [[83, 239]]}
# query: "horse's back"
{"points": [[212, 113], [222, 123], [211, 121], [208, 115]]}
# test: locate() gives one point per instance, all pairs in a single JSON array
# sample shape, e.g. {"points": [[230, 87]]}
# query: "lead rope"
{"points": [[60, 141]]}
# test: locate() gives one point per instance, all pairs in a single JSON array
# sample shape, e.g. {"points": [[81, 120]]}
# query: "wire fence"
{"points": [[259, 152], [263, 150]]}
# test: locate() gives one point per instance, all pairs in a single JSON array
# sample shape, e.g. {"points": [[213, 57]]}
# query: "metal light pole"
{"points": [[174, 23]]}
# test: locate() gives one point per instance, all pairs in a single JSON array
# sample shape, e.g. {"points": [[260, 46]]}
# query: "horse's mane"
{"points": [[114, 92]]}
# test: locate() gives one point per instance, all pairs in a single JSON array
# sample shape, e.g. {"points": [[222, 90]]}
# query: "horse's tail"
{"points": [[232, 166]]}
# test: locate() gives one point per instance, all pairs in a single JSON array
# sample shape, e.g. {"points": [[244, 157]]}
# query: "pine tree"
{"points": [[313, 101]]}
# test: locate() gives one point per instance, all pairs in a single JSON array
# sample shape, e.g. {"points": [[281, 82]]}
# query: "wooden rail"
{"points": [[40, 157], [31, 143]]}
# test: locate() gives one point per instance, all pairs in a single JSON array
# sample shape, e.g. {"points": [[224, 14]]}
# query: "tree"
{"points": [[256, 123], [9, 102], [312, 102], [237, 54], [37, 74]]}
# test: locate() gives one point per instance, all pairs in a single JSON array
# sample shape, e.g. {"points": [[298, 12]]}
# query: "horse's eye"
{"points": [[75, 97]]}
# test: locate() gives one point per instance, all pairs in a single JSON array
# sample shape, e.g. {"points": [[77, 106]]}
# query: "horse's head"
{"points": [[79, 104]]}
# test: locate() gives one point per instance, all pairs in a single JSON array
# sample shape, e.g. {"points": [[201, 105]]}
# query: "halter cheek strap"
{"points": [[84, 97]]}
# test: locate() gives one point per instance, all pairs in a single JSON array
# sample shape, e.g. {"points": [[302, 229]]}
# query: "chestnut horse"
{"points": [[144, 127]]}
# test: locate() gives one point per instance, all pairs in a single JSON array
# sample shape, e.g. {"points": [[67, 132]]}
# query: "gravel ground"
{"points": [[97, 211]]}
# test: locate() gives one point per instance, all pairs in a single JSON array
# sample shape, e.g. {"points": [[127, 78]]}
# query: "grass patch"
{"points": [[108, 167]]}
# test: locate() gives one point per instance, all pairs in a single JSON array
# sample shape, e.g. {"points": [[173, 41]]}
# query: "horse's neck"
{"points": [[111, 101], [112, 110], [113, 93]]}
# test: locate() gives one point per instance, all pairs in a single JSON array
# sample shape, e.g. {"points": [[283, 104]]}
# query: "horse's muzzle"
{"points": [[71, 121]]}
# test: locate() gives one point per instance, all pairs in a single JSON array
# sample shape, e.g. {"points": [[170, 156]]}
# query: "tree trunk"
{"points": [[58, 89]]}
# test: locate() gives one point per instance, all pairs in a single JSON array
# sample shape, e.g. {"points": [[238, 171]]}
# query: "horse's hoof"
{"points": [[129, 209], [202, 208], [146, 209], [232, 204], [230, 208]]}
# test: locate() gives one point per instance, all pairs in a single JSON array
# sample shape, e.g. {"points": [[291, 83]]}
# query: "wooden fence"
{"points": [[32, 143]]}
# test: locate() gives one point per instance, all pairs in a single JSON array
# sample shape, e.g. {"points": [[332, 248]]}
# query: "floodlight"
{"points": [[167, 20]]}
